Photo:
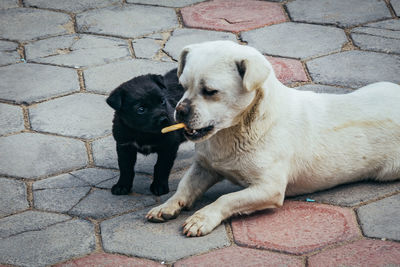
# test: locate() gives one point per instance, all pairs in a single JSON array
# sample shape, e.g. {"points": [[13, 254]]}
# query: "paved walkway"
{"points": [[60, 59]]}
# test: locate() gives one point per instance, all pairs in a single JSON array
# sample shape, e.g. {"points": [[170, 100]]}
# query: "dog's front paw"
{"points": [[167, 211], [118, 189], [200, 224], [159, 189]]}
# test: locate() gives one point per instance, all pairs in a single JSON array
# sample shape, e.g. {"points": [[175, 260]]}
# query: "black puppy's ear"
{"points": [[159, 80], [115, 99], [182, 60]]}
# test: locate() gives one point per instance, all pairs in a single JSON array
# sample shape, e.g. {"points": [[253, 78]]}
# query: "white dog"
{"points": [[273, 140]]}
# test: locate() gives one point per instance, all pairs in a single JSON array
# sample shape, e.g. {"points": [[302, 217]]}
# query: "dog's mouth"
{"points": [[197, 134]]}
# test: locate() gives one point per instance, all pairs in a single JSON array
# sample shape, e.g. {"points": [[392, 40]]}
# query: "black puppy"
{"points": [[143, 106]]}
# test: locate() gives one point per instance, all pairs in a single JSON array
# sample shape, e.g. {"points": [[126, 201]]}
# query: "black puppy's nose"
{"points": [[183, 110], [164, 121]]}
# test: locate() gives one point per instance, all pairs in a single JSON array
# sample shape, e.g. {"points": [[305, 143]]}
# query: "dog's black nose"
{"points": [[164, 121], [183, 110]]}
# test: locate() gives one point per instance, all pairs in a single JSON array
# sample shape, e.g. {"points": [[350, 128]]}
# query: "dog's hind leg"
{"points": [[126, 162], [195, 182], [162, 169]]}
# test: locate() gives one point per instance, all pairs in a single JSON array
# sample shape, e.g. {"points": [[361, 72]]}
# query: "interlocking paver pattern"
{"points": [[59, 60]]}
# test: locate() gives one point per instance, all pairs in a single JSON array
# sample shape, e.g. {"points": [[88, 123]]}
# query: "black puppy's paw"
{"points": [[120, 189], [159, 189]]}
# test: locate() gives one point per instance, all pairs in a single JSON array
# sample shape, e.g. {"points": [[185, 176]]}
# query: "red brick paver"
{"points": [[288, 70], [108, 260], [297, 227], [240, 257], [232, 15], [360, 253]]}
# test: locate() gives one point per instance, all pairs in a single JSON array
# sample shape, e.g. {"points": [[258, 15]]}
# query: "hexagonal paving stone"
{"points": [[75, 6], [396, 6], [77, 50], [43, 247], [8, 53], [11, 119], [325, 89], [27, 83], [383, 36], [381, 219], [146, 47], [8, 4], [237, 256], [101, 204], [127, 21], [339, 12], [297, 227], [353, 194], [108, 260], [288, 70], [105, 155], [13, 196], [29, 221], [104, 79], [31, 155], [296, 40], [94, 176], [359, 253], [131, 234], [169, 3], [231, 15], [182, 37], [78, 115], [28, 23], [355, 68]]}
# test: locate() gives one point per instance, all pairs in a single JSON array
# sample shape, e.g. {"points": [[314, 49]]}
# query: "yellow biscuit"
{"points": [[173, 128]]}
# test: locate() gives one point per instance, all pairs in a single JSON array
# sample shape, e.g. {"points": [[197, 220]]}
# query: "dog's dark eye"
{"points": [[209, 92], [141, 110]]}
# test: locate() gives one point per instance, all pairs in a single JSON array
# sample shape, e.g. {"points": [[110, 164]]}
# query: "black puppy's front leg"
{"points": [[163, 167], [126, 162]]}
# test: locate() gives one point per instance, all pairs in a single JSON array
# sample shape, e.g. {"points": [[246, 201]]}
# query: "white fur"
{"points": [[275, 140]]}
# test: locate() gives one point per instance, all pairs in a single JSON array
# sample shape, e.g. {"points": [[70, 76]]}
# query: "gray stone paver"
{"points": [[77, 50], [326, 89], [31, 155], [98, 80], [296, 40], [381, 36], [101, 204], [168, 3], [131, 234], [8, 53], [79, 115], [343, 13], [355, 68], [60, 181], [94, 176], [76, 6], [13, 196], [396, 6], [11, 119], [381, 219], [146, 47], [182, 37], [8, 4], [27, 83], [28, 23], [127, 21], [29, 221], [56, 243]]}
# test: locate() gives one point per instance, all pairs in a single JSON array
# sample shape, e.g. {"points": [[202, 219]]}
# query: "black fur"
{"points": [[143, 106]]}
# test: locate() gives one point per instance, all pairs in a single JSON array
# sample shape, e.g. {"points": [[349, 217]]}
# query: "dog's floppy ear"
{"points": [[115, 98], [182, 60], [254, 71]]}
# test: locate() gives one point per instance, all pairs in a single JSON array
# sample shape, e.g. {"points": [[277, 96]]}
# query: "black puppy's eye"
{"points": [[140, 110], [209, 92]]}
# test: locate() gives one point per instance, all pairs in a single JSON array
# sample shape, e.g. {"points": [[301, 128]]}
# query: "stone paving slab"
{"points": [[381, 36], [325, 89], [11, 119], [355, 68], [8, 53], [396, 6], [381, 219], [167, 3], [76, 236], [127, 21], [27, 24], [77, 6], [131, 234], [77, 50], [98, 79], [338, 12], [146, 47], [296, 40], [31, 155], [94, 176], [13, 196], [79, 115], [27, 83], [288, 70], [8, 4]]}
